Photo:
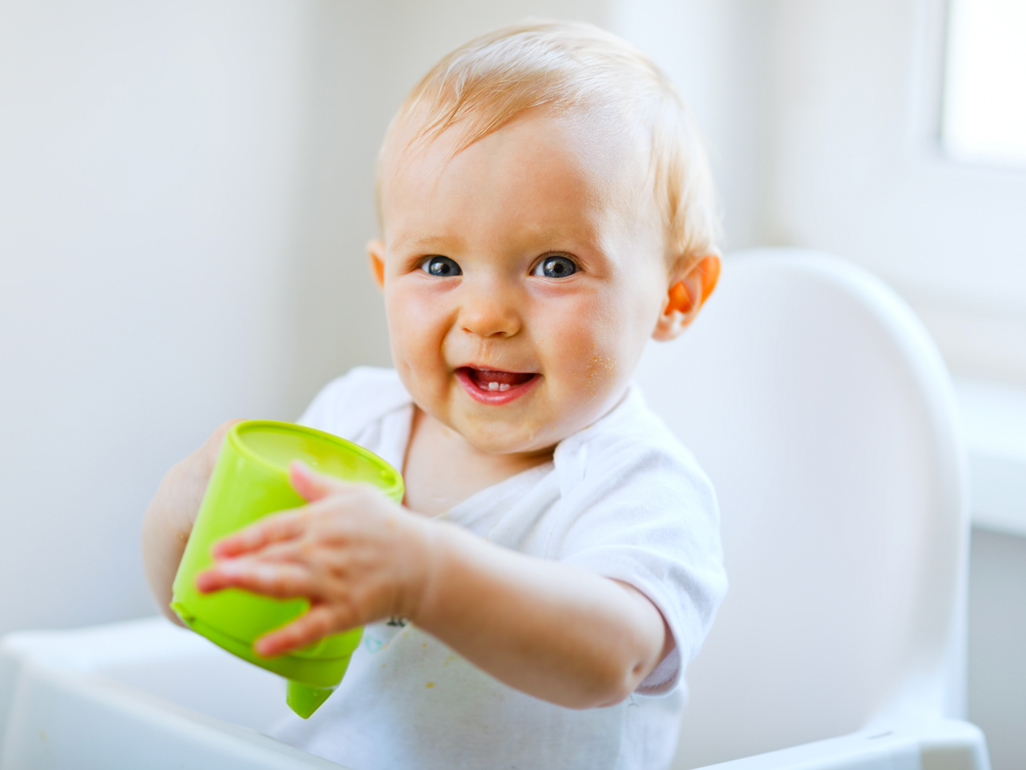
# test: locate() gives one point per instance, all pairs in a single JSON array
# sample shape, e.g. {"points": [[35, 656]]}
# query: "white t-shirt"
{"points": [[622, 498]]}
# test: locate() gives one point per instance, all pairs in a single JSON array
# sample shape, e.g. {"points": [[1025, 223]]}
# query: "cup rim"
{"points": [[396, 490]]}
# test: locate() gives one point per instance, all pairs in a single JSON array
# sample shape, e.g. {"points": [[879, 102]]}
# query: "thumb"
{"points": [[309, 484]]}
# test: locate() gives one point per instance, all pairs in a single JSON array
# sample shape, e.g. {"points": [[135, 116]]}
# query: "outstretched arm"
{"points": [[552, 630]]}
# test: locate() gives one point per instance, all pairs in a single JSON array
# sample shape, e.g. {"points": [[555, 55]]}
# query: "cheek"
{"points": [[587, 349], [414, 327], [599, 351]]}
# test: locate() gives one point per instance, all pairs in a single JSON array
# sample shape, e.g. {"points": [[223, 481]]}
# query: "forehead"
{"points": [[538, 176]]}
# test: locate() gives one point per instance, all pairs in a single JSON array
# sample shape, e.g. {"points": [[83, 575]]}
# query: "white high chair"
{"points": [[822, 412]]}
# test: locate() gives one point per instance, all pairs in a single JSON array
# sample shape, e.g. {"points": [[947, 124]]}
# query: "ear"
{"points": [[690, 286], [376, 252]]}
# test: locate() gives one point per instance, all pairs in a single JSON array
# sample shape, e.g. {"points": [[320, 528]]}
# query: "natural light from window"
{"points": [[984, 114]]}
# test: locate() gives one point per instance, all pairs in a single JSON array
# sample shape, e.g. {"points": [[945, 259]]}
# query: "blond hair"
{"points": [[566, 68]]}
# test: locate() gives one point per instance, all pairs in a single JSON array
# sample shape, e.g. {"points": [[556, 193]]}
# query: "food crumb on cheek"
{"points": [[599, 368]]}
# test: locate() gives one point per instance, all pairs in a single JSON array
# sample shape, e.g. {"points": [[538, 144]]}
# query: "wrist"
{"points": [[429, 554]]}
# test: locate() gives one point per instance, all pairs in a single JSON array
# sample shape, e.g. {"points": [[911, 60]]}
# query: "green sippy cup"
{"points": [[250, 481]]}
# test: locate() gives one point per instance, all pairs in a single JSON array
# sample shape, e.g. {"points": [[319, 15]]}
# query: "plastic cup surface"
{"points": [[250, 481]]}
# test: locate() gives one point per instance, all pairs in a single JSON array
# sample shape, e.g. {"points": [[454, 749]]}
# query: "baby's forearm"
{"points": [[552, 630]]}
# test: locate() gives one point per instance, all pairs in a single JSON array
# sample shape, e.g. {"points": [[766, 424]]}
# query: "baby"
{"points": [[545, 209]]}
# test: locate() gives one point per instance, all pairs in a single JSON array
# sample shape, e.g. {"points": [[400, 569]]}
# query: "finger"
{"points": [[280, 580], [320, 621], [297, 551], [271, 529], [311, 485]]}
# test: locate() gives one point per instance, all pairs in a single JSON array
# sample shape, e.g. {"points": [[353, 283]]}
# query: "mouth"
{"points": [[494, 386]]}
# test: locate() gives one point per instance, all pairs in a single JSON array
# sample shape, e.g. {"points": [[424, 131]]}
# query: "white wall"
{"points": [[159, 213], [716, 53]]}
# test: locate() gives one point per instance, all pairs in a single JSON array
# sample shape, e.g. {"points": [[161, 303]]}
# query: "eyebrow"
{"points": [[429, 243]]}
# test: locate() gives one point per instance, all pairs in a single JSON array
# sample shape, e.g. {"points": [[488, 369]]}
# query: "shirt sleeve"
{"points": [[649, 519]]}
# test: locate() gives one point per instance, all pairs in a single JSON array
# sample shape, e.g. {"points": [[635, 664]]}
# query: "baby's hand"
{"points": [[355, 554]]}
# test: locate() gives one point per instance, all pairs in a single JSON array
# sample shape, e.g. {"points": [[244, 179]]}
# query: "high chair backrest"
{"points": [[822, 412]]}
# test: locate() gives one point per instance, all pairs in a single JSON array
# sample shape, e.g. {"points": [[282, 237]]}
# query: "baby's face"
{"points": [[522, 279]]}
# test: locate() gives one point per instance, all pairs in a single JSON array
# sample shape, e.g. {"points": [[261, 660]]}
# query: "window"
{"points": [[984, 112]]}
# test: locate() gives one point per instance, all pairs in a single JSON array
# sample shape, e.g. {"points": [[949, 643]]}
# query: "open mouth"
{"points": [[494, 386]]}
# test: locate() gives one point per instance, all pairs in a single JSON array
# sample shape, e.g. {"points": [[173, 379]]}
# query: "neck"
{"points": [[442, 468]]}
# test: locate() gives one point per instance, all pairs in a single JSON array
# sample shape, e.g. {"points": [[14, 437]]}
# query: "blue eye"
{"points": [[443, 267], [555, 267]]}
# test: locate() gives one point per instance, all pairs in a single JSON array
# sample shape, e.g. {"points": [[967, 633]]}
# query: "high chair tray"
{"points": [[142, 693], [146, 693]]}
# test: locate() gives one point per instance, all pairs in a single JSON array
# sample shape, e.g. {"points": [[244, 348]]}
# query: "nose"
{"points": [[489, 308]]}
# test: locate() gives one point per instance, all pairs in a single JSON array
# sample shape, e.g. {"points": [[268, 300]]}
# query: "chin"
{"points": [[499, 441]]}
